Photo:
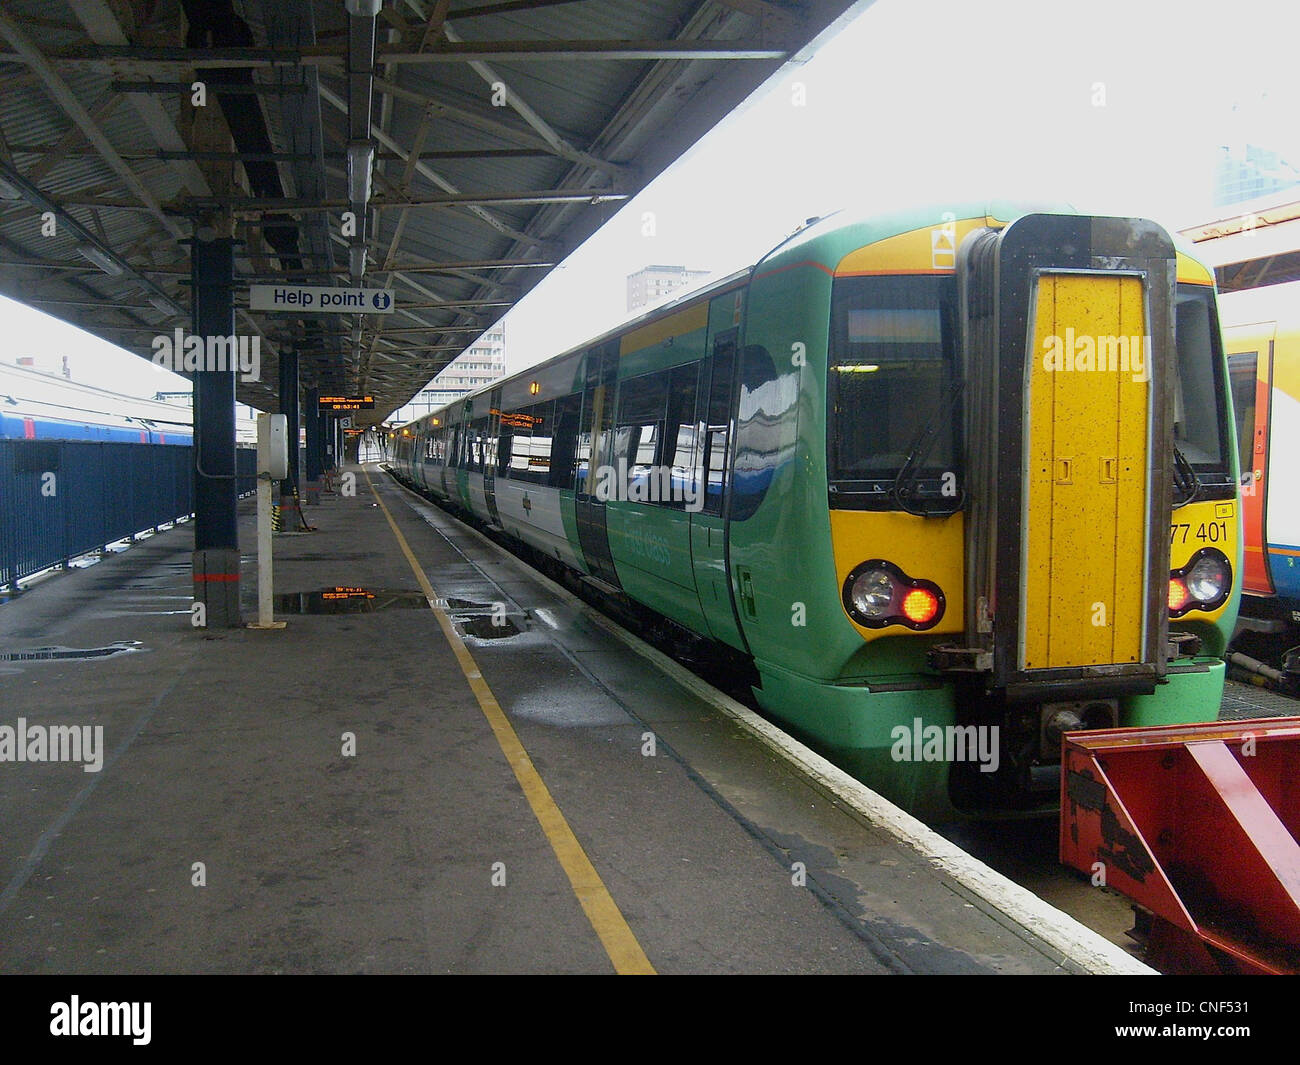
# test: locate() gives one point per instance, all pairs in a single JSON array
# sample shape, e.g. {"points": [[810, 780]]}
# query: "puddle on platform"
{"points": [[343, 599], [483, 628], [452, 603], [480, 621], [48, 654]]}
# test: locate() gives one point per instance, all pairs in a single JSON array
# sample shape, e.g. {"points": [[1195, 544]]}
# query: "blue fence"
{"points": [[63, 498]]}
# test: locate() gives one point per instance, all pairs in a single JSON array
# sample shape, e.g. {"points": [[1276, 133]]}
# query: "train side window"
{"points": [[530, 442], [638, 440], [565, 440], [505, 448], [765, 429], [582, 460], [1242, 371], [681, 437], [489, 448], [539, 463], [717, 422], [478, 430], [521, 445]]}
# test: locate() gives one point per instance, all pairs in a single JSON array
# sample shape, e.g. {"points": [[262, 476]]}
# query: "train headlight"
{"points": [[872, 593], [877, 593], [1207, 579], [1202, 584]]}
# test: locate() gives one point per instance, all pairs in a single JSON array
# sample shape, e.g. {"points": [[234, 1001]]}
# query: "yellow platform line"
{"points": [[601, 910]]}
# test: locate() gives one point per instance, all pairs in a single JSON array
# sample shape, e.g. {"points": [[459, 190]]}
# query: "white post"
{"points": [[265, 603], [269, 464]]}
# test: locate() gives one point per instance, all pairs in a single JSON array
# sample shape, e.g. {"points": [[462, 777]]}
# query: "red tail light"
{"points": [[920, 605]]}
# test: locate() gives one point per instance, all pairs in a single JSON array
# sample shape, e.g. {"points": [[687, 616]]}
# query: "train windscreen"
{"points": [[892, 364], [1200, 414]]}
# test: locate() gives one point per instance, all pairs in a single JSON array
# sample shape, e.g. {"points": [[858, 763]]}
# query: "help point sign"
{"points": [[318, 299]]}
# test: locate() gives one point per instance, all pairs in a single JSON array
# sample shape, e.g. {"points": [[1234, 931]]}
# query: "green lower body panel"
{"points": [[1186, 699], [903, 743], [870, 734]]}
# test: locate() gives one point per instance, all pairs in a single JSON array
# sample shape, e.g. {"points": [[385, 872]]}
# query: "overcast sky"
{"points": [[1116, 106]]}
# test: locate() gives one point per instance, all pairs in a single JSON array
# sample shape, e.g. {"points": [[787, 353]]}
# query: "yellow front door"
{"points": [[1086, 509]]}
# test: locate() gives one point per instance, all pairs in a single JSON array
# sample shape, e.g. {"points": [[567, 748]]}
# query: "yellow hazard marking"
{"points": [[606, 919]]}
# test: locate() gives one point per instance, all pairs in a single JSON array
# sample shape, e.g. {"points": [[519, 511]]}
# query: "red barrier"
{"points": [[1197, 824]]}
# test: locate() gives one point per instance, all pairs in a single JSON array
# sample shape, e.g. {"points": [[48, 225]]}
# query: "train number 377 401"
{"points": [[1207, 532]]}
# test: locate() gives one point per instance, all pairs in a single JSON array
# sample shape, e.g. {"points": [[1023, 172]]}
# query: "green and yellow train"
{"points": [[955, 481]]}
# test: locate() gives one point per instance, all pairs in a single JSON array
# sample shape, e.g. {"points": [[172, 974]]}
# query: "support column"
{"points": [[289, 408], [216, 528], [315, 446]]}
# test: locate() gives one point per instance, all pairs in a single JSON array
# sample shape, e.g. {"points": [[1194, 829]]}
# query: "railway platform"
{"points": [[443, 763]]}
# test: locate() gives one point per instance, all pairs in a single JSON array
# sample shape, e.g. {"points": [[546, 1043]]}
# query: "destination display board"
{"points": [[333, 404]]}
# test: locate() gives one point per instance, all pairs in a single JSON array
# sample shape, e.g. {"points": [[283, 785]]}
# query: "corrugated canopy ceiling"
{"points": [[503, 134]]}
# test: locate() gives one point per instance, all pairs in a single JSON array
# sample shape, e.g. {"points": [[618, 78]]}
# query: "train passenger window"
{"points": [[892, 366], [717, 422], [489, 449], [766, 427], [1242, 372], [530, 442], [567, 412], [1199, 418], [505, 445], [681, 435], [521, 450], [638, 437], [478, 439], [582, 460]]}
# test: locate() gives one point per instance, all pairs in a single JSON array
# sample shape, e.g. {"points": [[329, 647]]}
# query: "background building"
{"points": [[1248, 172], [480, 364], [648, 285]]}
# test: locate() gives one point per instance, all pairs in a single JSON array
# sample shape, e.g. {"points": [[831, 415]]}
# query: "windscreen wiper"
{"points": [[903, 490], [1186, 481]]}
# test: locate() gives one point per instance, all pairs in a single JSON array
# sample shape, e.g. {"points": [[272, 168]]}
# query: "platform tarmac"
{"points": [[339, 796]]}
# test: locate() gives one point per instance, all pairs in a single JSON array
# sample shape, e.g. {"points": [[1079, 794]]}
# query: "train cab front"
{"points": [[1101, 554]]}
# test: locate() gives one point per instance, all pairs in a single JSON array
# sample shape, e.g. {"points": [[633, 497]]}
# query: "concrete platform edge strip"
{"points": [[1075, 941]]}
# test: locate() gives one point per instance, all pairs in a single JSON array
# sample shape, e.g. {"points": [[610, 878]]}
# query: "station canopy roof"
{"points": [[496, 136]]}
